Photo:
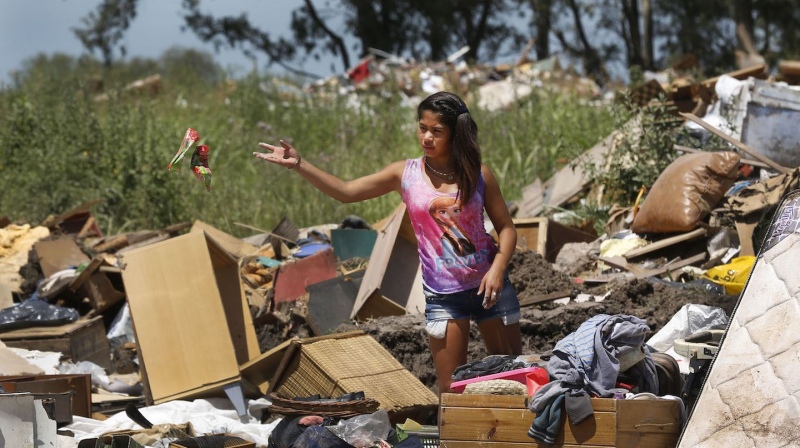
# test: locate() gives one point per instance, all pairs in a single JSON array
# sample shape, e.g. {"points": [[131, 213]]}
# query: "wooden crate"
{"points": [[546, 236], [489, 421], [82, 340]]}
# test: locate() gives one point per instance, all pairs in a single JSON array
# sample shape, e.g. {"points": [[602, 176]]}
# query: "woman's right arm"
{"points": [[367, 187]]}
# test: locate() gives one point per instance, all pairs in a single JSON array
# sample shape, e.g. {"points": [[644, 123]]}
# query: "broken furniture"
{"points": [[334, 365], [546, 236], [82, 340], [191, 320], [488, 421], [71, 393]]}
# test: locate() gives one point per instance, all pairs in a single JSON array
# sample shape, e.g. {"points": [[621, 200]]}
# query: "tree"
{"points": [[421, 28], [237, 32], [105, 27]]}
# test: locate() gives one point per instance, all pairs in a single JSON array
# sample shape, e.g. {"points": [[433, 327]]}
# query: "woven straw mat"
{"points": [[334, 367]]}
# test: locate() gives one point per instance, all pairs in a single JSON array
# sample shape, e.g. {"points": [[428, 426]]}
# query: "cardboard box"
{"points": [[191, 319], [547, 237], [392, 284], [504, 420], [82, 340]]}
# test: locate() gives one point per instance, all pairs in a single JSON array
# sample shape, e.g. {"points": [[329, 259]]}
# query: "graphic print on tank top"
{"points": [[454, 248], [445, 211]]}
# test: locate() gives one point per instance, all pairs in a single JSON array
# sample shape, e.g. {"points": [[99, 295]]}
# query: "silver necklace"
{"points": [[438, 173]]}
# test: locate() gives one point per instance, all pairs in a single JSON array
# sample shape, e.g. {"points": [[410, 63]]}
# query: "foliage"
{"points": [[641, 150], [105, 28], [59, 147]]}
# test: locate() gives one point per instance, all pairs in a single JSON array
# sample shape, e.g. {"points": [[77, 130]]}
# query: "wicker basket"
{"points": [[340, 409]]}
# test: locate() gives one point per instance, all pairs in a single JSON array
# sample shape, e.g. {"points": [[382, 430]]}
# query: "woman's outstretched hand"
{"points": [[283, 155]]}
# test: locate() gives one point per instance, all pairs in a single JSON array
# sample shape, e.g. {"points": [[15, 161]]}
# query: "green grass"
{"points": [[60, 148]]}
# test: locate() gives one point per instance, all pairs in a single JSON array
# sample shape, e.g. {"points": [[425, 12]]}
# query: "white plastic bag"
{"points": [[690, 319]]}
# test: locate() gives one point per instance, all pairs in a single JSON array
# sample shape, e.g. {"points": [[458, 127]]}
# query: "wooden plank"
{"points": [[666, 242], [546, 297], [689, 150], [477, 400], [87, 272], [512, 425], [789, 68], [651, 423], [750, 151], [639, 272], [530, 444], [510, 401], [756, 71]]}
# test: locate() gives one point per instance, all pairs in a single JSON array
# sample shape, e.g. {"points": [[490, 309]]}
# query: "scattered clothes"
{"points": [[586, 359], [578, 405], [547, 423], [487, 366]]}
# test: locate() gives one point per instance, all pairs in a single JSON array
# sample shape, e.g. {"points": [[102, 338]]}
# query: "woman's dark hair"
{"points": [[464, 147]]}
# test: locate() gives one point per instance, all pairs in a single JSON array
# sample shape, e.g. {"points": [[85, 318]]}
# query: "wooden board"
{"points": [[493, 421]]}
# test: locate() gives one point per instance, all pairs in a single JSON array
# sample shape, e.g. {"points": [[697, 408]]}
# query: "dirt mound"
{"points": [[543, 324]]}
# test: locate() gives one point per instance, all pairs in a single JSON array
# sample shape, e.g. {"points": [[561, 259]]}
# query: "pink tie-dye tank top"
{"points": [[454, 248]]}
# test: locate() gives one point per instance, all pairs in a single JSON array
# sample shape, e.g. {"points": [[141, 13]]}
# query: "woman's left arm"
{"points": [[506, 234]]}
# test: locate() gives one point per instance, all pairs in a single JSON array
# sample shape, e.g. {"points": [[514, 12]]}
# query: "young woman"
{"points": [[446, 192]]}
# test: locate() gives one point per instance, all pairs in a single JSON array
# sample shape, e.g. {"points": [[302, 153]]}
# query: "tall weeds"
{"points": [[60, 148]]}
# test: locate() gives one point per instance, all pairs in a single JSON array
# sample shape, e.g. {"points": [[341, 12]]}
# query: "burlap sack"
{"points": [[686, 191]]}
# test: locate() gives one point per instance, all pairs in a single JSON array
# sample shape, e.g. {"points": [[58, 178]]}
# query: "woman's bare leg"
{"points": [[450, 352], [501, 339]]}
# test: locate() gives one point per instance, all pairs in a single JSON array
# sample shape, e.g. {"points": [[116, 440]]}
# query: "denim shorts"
{"points": [[468, 304]]}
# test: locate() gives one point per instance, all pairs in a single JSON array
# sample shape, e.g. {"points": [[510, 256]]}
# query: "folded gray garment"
{"points": [[578, 406]]}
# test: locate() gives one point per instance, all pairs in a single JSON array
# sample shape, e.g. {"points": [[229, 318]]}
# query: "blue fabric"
{"points": [[586, 359], [547, 423]]}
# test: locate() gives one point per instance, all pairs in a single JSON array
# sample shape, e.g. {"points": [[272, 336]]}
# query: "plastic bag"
{"points": [[690, 319], [733, 275], [35, 313], [364, 430]]}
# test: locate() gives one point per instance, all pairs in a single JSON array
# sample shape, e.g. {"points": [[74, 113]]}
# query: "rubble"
{"points": [[196, 314]]}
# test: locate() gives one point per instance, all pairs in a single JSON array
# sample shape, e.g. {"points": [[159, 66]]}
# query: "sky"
{"points": [[30, 27]]}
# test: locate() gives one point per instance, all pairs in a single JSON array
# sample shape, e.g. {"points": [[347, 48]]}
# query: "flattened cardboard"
{"points": [[6, 295], [57, 255], [13, 364], [185, 295], [292, 278], [392, 284], [236, 247]]}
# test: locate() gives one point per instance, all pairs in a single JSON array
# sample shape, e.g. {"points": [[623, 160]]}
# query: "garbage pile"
{"points": [[327, 321]]}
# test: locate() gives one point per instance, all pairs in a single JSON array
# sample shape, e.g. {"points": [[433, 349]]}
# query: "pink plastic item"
{"points": [[532, 377]]}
